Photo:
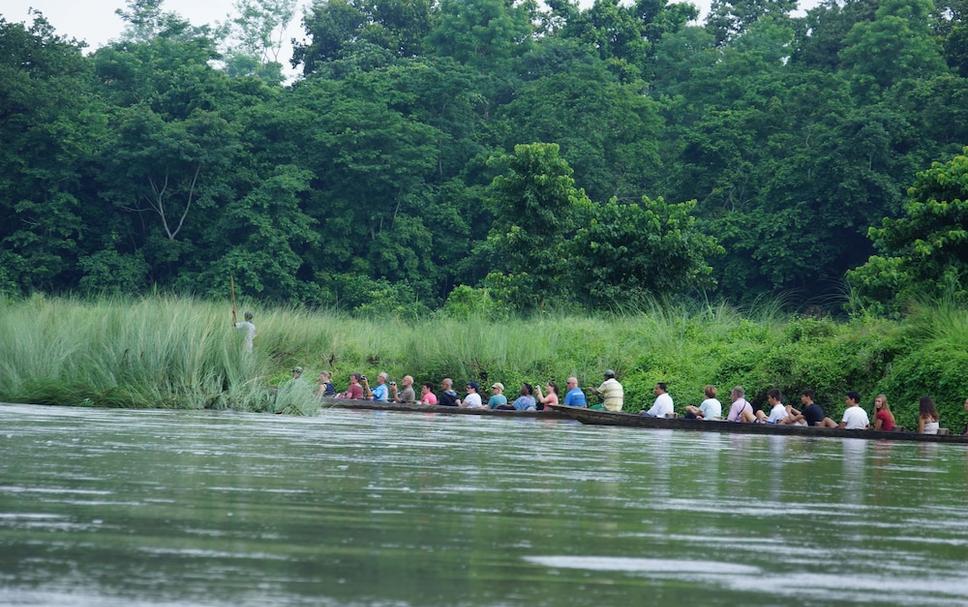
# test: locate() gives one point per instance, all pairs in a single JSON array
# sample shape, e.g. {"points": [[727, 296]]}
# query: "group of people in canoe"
{"points": [[534, 398], [612, 394], [529, 398]]}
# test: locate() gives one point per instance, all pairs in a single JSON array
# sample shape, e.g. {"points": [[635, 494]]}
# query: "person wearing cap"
{"points": [[381, 392], [406, 396], [574, 397], [247, 327], [297, 372], [497, 400], [611, 392], [473, 398]]}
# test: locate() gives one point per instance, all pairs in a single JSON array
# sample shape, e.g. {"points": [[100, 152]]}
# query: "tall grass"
{"points": [[177, 352]]}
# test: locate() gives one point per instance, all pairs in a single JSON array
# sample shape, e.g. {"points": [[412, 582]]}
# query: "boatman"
{"points": [[611, 392], [246, 327]]}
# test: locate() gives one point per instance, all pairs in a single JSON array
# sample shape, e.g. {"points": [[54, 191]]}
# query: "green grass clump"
{"points": [[173, 352]]}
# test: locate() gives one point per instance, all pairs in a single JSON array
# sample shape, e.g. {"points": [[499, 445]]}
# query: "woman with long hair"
{"points": [[883, 418], [550, 399], [927, 416]]}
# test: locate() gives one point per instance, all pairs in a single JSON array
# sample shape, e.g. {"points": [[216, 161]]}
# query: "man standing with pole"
{"points": [[246, 325]]}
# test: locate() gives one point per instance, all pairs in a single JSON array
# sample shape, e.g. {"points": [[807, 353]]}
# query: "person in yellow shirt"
{"points": [[612, 392]]}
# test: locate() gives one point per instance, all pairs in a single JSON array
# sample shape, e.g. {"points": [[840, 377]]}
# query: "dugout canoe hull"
{"points": [[369, 405], [609, 418]]}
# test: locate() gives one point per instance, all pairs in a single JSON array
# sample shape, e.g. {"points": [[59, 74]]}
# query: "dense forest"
{"points": [[513, 154]]}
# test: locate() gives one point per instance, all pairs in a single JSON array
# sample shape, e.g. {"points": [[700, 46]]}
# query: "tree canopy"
{"points": [[546, 153]]}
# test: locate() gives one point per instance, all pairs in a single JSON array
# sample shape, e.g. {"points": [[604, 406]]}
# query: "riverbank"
{"points": [[171, 352]]}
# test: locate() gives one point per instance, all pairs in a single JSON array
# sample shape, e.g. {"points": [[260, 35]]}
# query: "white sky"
{"points": [[94, 21]]}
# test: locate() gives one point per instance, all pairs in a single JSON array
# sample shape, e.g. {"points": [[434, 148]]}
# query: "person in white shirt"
{"points": [[247, 327], [778, 411], [663, 402], [708, 409], [473, 398], [855, 418]]}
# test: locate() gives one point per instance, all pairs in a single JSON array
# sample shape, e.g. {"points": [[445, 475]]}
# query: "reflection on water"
{"points": [[368, 508]]}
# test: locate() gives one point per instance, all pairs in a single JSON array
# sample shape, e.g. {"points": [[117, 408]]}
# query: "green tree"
{"points": [[923, 253], [628, 251], [52, 124], [897, 44], [536, 207], [255, 36], [484, 33]]}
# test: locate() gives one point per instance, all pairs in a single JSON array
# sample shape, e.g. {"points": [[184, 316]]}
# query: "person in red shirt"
{"points": [[354, 391], [883, 418]]}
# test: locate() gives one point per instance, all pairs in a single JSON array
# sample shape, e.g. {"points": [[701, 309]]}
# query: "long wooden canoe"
{"points": [[609, 418], [371, 405]]}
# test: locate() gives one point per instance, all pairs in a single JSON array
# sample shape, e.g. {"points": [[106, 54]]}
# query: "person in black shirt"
{"points": [[814, 413], [448, 397]]}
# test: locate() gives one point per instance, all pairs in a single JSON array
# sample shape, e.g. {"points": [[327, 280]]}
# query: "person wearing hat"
{"points": [[611, 392], [297, 372], [497, 399], [473, 399]]}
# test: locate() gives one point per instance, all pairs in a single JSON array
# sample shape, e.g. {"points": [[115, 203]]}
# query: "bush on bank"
{"points": [[181, 353]]}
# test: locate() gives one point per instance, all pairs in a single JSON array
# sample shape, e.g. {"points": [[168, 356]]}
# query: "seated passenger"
{"points": [[576, 398], [381, 392], [498, 400], [927, 416], [405, 396], [325, 389], [427, 396], [526, 401], [354, 391], [855, 418], [741, 410], [883, 418], [550, 399], [473, 399], [813, 413], [778, 411], [709, 409], [662, 406], [448, 398]]}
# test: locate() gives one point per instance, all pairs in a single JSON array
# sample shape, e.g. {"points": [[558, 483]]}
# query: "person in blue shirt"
{"points": [[526, 401], [574, 397], [381, 392]]}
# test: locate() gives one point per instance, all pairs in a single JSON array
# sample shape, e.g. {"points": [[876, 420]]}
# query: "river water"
{"points": [[105, 507]]}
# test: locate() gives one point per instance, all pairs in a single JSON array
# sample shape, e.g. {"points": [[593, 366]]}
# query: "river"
{"points": [[146, 508]]}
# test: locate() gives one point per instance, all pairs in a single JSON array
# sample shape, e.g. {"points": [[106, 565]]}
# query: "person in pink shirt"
{"points": [[741, 410], [551, 398], [427, 396]]}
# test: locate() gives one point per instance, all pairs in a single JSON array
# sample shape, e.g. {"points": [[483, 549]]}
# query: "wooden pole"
{"points": [[232, 290]]}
